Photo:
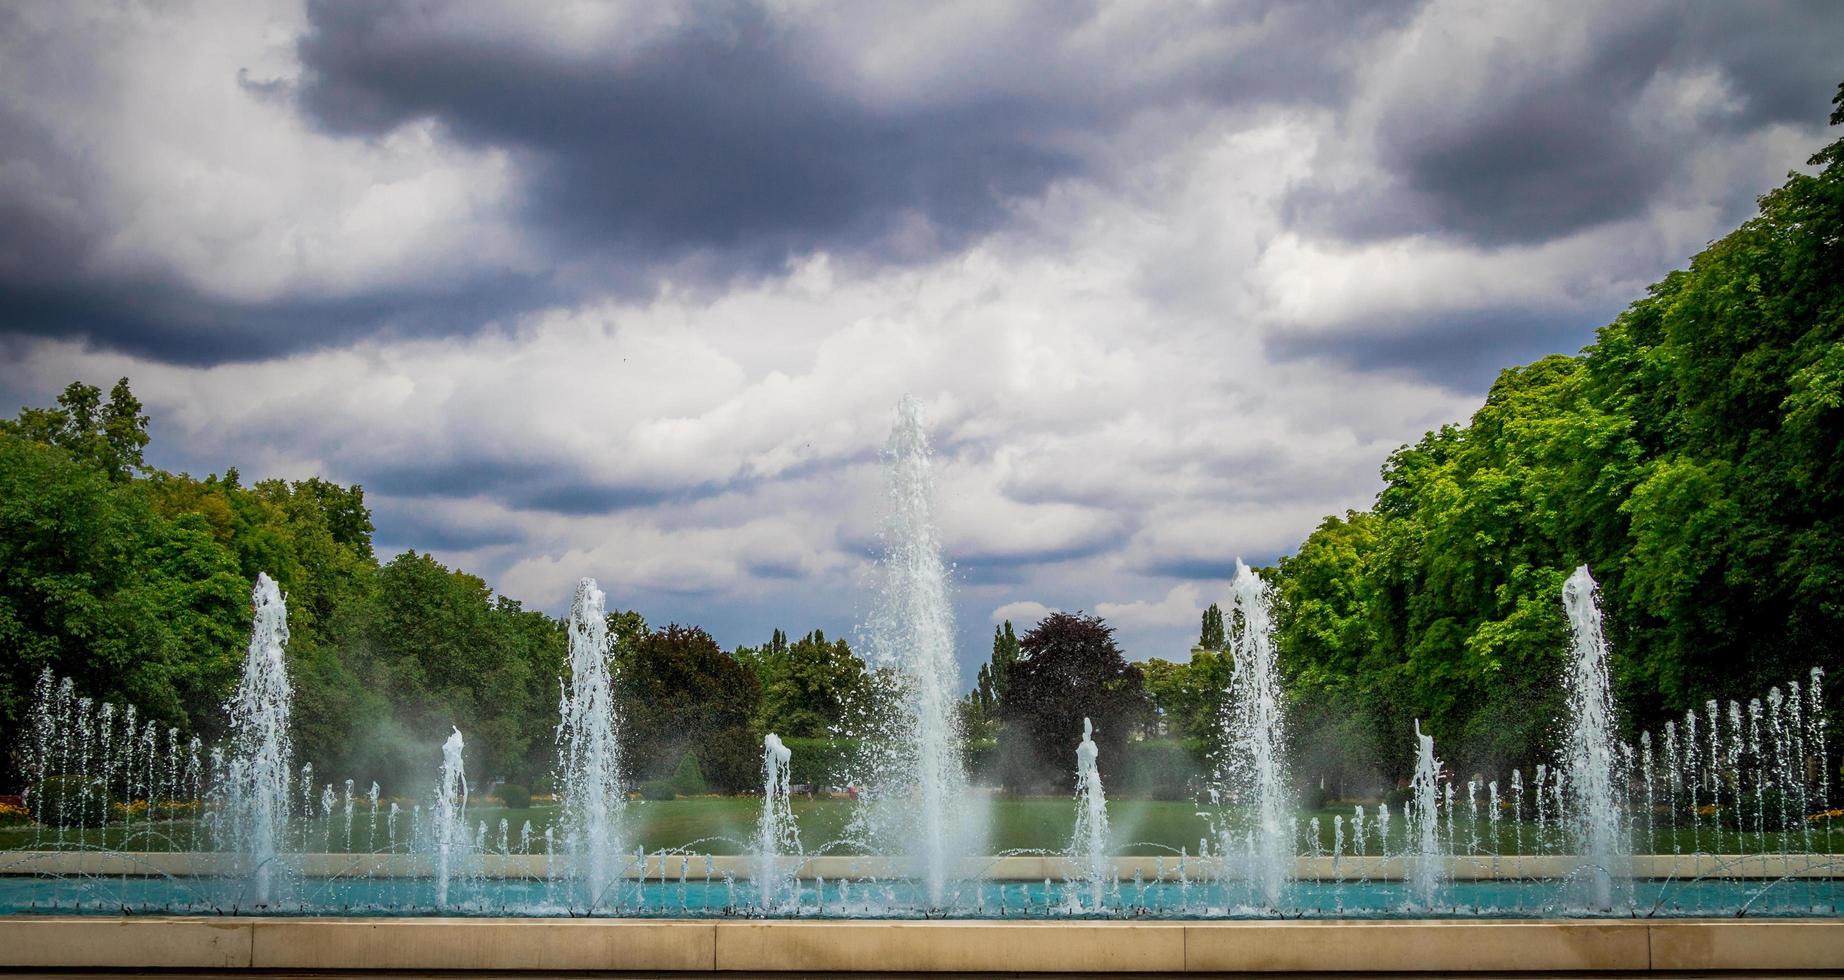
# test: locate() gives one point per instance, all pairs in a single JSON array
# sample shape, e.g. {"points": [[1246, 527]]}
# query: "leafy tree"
{"points": [[811, 688], [679, 693], [1212, 636], [1069, 668], [443, 651], [110, 436], [1691, 457], [981, 708], [1187, 698]]}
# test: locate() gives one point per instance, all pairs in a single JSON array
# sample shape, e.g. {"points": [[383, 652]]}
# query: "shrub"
{"points": [[687, 778], [1774, 811], [821, 761], [515, 796], [656, 789], [983, 760], [1163, 769], [1396, 797], [69, 801]]}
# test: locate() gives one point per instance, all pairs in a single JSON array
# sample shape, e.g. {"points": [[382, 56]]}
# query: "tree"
{"points": [[97, 586], [980, 709], [109, 436], [1212, 636], [1693, 457], [811, 688], [443, 651], [1187, 698], [681, 693], [1069, 668]]}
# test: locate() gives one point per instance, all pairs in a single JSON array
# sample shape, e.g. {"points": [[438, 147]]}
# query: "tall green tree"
{"points": [[1069, 668], [1212, 635], [811, 688], [681, 694], [109, 435], [1690, 456]]}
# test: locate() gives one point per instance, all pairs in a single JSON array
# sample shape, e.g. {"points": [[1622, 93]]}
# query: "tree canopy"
{"points": [[1068, 668]]}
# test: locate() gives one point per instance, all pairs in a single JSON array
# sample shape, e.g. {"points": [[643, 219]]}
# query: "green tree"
{"points": [[1187, 698], [812, 688], [110, 436], [1212, 635], [681, 693], [1069, 668]]}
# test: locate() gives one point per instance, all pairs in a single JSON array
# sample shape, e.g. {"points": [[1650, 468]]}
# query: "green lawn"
{"points": [[725, 825]]}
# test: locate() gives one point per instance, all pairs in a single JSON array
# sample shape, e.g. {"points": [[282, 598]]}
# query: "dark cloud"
{"points": [[732, 141], [1538, 149], [1463, 350], [166, 320], [408, 521], [536, 485], [719, 148], [718, 137], [1211, 570]]}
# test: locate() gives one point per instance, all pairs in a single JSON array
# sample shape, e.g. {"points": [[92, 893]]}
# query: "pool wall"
{"points": [[1022, 947], [535, 866]]}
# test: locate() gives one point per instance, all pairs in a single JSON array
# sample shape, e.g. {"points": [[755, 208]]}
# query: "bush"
{"points": [[821, 761], [656, 789], [1396, 797], [983, 760], [687, 778], [1773, 812], [515, 796], [69, 801], [1163, 769]]}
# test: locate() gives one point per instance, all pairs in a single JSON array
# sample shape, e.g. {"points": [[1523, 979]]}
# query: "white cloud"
{"points": [[1182, 605], [1113, 378], [1022, 614]]}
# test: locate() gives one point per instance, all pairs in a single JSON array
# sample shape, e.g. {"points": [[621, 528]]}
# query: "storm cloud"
{"points": [[630, 290]]}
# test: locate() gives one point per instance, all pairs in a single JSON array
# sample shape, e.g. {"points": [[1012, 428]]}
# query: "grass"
{"points": [[725, 825]]}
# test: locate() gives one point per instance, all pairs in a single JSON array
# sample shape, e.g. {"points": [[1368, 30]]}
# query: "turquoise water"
{"points": [[701, 898]]}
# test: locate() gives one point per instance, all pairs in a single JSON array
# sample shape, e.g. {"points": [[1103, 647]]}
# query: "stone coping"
{"points": [[1423, 946], [1009, 868]]}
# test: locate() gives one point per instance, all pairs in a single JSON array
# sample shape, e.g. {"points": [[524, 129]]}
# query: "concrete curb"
{"points": [[1462, 868], [1425, 946]]}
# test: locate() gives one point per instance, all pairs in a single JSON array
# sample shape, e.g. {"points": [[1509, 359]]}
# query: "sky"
{"points": [[632, 290]]}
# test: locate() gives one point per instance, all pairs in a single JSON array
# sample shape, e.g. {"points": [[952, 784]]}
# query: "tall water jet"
{"points": [[775, 831], [1255, 767], [1592, 754], [1430, 859], [913, 630], [258, 773], [1089, 845], [450, 815], [589, 755]]}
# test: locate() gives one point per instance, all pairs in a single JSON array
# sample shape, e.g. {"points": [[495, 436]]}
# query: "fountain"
{"points": [[256, 778], [775, 831], [1424, 823], [924, 779], [589, 755], [450, 816], [1089, 845], [1593, 764], [1255, 771]]}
